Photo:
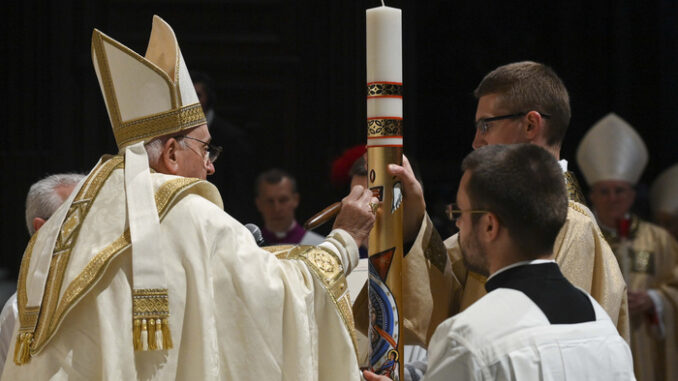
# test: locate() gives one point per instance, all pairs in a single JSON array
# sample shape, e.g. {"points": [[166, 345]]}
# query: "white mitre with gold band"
{"points": [[664, 192], [149, 96], [612, 150]]}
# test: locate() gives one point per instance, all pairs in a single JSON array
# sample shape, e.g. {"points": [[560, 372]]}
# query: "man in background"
{"points": [[277, 199], [612, 157], [43, 199]]}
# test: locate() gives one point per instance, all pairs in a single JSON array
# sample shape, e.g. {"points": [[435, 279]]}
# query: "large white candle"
{"points": [[384, 58], [384, 146]]}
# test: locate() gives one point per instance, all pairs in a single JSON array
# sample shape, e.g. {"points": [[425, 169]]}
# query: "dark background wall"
{"points": [[291, 74]]}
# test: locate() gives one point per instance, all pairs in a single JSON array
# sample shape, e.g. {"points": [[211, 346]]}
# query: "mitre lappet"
{"points": [[146, 97]]}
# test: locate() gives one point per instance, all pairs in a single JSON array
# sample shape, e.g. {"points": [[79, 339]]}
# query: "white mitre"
{"points": [[612, 150], [664, 192], [149, 96]]}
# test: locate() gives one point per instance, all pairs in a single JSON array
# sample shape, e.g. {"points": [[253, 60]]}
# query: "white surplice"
{"points": [[505, 336]]}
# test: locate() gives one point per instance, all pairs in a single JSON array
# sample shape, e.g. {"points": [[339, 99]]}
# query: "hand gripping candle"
{"points": [[385, 146]]}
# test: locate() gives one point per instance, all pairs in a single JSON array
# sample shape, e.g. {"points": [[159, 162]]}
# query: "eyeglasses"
{"points": [[453, 212], [211, 151], [482, 123]]}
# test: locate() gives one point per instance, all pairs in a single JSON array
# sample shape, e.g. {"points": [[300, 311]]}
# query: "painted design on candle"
{"points": [[378, 192], [397, 196], [384, 330]]}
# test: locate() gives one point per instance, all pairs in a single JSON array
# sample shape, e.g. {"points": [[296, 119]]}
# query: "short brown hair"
{"points": [[274, 176], [523, 185], [526, 86]]}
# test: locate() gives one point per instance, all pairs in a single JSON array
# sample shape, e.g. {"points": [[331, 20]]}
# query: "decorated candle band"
{"points": [[384, 90], [384, 126]]}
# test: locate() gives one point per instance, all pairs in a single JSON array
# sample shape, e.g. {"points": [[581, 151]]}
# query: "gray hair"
{"points": [[43, 200], [154, 148]]}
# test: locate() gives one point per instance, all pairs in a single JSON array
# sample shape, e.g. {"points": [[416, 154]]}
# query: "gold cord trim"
{"points": [[384, 127]]}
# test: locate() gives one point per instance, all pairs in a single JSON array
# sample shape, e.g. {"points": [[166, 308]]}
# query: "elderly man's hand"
{"points": [[357, 215], [413, 199]]}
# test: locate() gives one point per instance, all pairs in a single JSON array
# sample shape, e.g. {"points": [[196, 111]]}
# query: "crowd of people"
{"points": [[140, 269]]}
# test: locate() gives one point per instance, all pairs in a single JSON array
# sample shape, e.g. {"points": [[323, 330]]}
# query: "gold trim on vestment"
{"points": [[48, 323], [66, 239], [384, 127], [573, 189], [327, 268]]}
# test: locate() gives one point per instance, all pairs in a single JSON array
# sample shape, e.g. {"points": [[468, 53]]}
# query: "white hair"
{"points": [[43, 200], [154, 148]]}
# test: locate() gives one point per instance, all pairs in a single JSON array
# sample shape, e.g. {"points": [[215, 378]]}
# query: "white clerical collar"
{"points": [[563, 164], [521, 263]]}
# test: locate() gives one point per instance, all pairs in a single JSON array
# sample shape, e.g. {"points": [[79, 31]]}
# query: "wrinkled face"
{"points": [[611, 200], [505, 131], [472, 251], [192, 154], [276, 203], [668, 221]]}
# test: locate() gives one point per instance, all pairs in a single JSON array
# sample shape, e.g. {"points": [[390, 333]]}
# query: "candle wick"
{"points": [[382, 3]]}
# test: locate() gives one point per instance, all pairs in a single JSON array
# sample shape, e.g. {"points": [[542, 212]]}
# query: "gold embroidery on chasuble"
{"points": [[327, 268], [436, 252], [642, 261], [573, 189], [53, 311]]}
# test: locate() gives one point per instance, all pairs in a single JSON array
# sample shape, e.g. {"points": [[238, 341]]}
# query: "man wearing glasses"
{"points": [[533, 323], [523, 102]]}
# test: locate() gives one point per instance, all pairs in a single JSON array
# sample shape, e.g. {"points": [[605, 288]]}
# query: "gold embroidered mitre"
{"points": [[612, 150], [149, 96]]}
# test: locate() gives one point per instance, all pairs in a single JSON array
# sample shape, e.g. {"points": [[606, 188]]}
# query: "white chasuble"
{"points": [[236, 312]]}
